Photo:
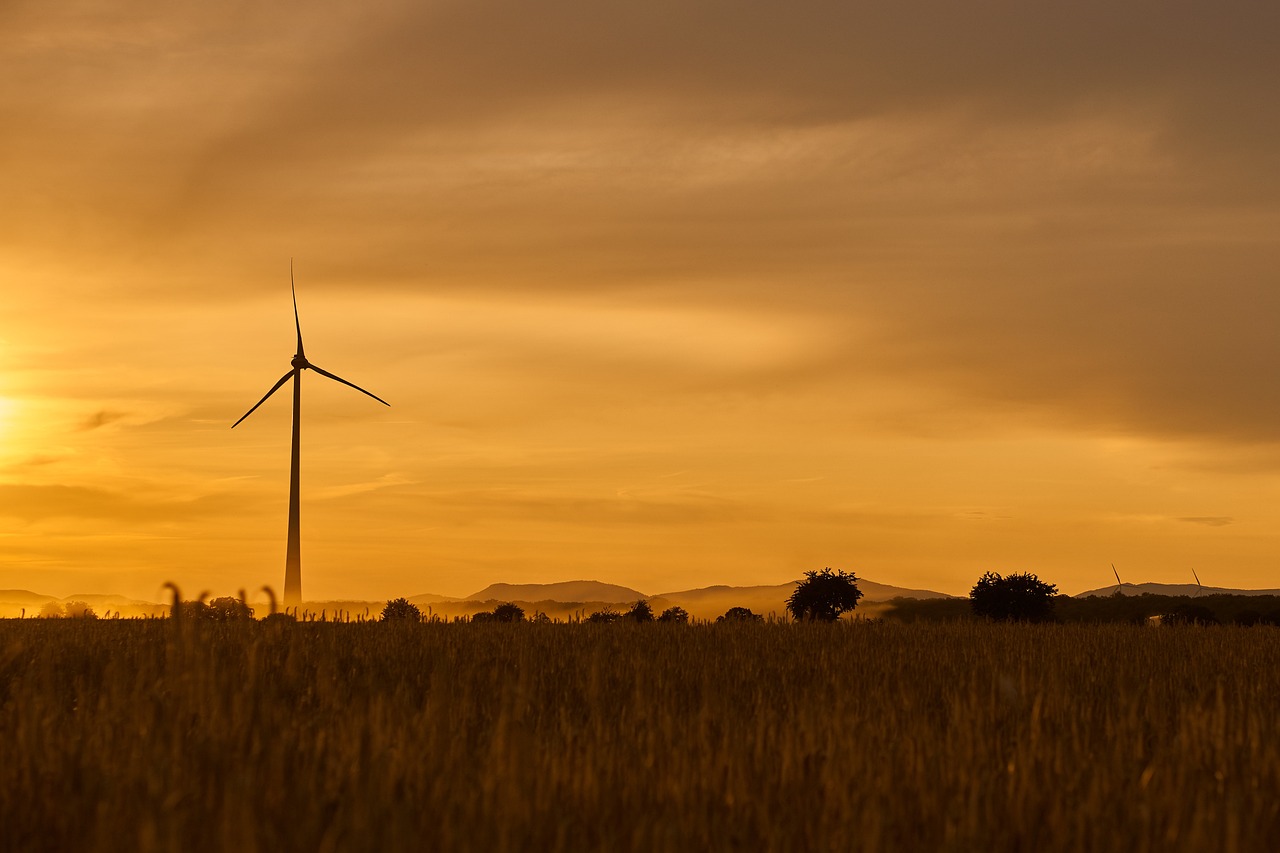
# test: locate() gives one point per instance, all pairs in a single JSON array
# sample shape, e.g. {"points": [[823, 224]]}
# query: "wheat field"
{"points": [[152, 735]]}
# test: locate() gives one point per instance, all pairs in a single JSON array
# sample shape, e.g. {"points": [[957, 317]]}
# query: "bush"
{"points": [[401, 610], [823, 596], [194, 610], [639, 612], [1019, 597], [739, 614], [508, 613], [607, 616], [80, 610], [52, 610], [677, 615], [228, 609]]}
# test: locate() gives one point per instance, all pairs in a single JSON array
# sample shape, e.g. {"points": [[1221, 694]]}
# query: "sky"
{"points": [[663, 294]]}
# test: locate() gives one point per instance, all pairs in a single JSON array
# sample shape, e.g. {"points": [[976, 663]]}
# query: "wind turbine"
{"points": [[1199, 586], [1119, 583], [292, 558]]}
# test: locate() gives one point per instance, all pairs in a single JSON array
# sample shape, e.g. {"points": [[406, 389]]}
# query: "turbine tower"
{"points": [[293, 559]]}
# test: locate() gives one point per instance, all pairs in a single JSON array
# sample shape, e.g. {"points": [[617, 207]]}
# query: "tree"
{"points": [[606, 616], [229, 609], [739, 614], [1019, 597], [508, 613], [639, 612], [401, 610], [80, 610], [823, 596], [194, 610], [52, 610], [677, 615]]}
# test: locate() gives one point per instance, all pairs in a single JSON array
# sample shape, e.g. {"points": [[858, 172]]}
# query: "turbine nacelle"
{"points": [[300, 362]]}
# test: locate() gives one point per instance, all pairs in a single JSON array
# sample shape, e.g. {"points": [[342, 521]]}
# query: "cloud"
{"points": [[102, 418], [34, 503], [1208, 520]]}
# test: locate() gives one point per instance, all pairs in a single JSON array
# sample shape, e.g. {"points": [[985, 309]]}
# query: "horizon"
{"points": [[259, 596], [663, 297]]}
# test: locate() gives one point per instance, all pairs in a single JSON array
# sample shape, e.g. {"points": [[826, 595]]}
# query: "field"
{"points": [[151, 735]]}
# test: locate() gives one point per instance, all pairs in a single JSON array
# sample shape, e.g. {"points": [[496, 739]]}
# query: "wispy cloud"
{"points": [[1208, 520], [102, 418]]}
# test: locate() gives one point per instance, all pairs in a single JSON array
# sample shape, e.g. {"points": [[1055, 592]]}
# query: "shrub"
{"points": [[739, 614], [401, 610], [194, 609], [80, 610], [229, 609], [639, 612], [52, 610], [675, 614], [606, 616], [823, 596], [508, 613], [1019, 597]]}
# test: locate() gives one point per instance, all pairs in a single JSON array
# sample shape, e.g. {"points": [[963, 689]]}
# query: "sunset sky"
{"points": [[664, 294]]}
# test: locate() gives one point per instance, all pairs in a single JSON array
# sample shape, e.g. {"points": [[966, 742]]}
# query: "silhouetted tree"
{"points": [[508, 613], [823, 596], [80, 610], [482, 616], [606, 616], [229, 609], [739, 614], [401, 610], [195, 610], [1020, 597], [675, 614], [52, 610], [639, 612]]}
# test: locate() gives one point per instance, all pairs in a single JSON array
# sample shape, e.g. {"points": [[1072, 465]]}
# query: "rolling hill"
{"points": [[593, 591], [1188, 589]]}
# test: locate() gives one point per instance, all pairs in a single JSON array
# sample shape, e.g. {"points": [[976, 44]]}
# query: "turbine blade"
{"points": [[274, 389], [1117, 574], [345, 382], [297, 324], [1197, 577]]}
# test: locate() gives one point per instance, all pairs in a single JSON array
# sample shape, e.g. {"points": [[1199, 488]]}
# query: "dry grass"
{"points": [[141, 736]]}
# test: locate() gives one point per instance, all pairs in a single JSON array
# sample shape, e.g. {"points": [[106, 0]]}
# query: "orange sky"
{"points": [[662, 294]]}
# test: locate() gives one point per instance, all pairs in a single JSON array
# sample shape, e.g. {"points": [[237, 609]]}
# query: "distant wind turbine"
{"points": [[1199, 586], [292, 559], [1119, 583]]}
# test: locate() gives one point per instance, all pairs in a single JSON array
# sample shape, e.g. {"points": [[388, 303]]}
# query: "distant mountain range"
{"points": [[705, 603], [14, 602], [1173, 589]]}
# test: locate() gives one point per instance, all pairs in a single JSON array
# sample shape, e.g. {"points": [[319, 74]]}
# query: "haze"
{"points": [[662, 294]]}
